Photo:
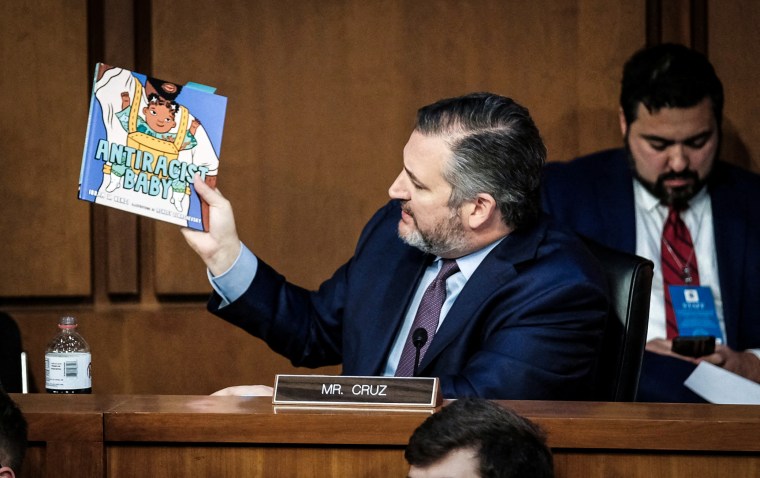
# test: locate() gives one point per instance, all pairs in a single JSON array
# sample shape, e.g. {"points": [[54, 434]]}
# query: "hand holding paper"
{"points": [[717, 385], [745, 364]]}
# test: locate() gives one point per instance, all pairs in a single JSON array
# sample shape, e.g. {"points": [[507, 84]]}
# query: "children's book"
{"points": [[146, 140]]}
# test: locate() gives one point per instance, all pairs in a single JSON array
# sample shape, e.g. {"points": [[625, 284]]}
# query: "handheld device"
{"points": [[694, 346]]}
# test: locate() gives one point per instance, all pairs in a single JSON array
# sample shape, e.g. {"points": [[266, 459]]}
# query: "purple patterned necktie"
{"points": [[427, 317], [679, 266]]}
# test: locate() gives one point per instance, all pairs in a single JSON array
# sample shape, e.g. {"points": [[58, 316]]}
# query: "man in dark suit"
{"points": [[524, 303], [671, 106]]}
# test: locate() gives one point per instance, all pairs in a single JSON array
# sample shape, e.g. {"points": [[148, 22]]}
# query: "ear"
{"points": [[623, 122], [481, 211], [6, 472]]}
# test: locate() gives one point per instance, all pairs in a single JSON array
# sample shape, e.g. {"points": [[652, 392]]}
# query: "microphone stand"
{"points": [[419, 339]]}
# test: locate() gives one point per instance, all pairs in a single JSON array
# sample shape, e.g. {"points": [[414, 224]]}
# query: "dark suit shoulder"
{"points": [[729, 176], [553, 248], [593, 195]]}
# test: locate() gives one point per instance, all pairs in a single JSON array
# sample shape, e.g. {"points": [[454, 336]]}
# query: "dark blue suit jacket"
{"points": [[594, 196], [527, 324]]}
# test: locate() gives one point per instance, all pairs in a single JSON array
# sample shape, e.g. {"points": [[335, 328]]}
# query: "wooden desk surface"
{"points": [[646, 426], [667, 438], [642, 426]]}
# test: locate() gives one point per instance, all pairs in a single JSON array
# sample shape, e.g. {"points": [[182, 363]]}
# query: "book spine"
{"points": [[83, 194]]}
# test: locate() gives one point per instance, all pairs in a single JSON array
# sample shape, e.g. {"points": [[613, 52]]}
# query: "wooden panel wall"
{"points": [[733, 47], [43, 113], [322, 96]]}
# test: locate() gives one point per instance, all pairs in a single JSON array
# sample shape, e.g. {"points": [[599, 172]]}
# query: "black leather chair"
{"points": [[10, 354], [630, 282]]}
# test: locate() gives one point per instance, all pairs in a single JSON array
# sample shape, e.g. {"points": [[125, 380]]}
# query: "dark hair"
{"points": [[172, 105], [497, 149], [507, 444], [158, 85], [669, 76], [13, 433]]}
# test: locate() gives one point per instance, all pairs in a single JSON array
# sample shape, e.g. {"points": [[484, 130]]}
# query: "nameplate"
{"points": [[331, 390]]}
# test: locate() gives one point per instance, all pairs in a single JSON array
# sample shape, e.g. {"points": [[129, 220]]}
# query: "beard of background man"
{"points": [[677, 197]]}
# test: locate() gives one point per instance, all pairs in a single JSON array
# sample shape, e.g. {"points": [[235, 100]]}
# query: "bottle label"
{"points": [[68, 371]]}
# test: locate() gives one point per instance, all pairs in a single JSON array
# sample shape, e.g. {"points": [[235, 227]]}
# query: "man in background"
{"points": [[668, 197], [510, 306], [475, 438], [13, 437]]}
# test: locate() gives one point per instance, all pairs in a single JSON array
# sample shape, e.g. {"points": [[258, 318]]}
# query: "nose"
{"points": [[678, 158], [398, 189]]}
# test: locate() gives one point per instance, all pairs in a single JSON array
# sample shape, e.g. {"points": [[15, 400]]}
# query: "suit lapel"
{"points": [[385, 317], [496, 269], [614, 190], [730, 233]]}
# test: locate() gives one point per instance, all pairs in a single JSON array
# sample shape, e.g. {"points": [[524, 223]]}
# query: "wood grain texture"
{"points": [[246, 436], [270, 461], [733, 46], [45, 83], [179, 349], [322, 97], [65, 434]]}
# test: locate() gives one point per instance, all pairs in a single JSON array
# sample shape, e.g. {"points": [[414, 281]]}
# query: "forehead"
{"points": [[159, 104], [459, 463], [426, 155], [426, 146], [675, 123]]}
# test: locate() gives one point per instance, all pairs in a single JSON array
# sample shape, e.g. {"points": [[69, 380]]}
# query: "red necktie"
{"points": [[679, 263], [427, 317]]}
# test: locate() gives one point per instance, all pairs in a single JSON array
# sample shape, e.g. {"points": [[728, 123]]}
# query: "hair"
{"points": [[507, 444], [496, 148], [13, 433], [172, 105], [158, 85], [669, 76]]}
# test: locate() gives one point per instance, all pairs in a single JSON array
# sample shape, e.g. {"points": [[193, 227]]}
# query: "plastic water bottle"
{"points": [[68, 361]]}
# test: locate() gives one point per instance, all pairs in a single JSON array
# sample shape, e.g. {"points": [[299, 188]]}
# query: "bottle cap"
{"points": [[67, 322]]}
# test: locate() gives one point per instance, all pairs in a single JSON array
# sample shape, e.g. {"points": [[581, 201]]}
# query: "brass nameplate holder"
{"points": [[331, 390]]}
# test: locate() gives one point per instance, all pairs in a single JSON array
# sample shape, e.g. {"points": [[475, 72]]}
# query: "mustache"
{"points": [[685, 174]]}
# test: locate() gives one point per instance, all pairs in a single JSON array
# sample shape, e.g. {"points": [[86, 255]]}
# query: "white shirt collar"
{"points": [[648, 202], [467, 264]]}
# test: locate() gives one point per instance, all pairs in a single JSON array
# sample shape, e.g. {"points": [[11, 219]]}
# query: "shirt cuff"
{"points": [[232, 283]]}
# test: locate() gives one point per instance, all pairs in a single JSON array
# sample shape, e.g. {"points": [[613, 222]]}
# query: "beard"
{"points": [[446, 236], [678, 197]]}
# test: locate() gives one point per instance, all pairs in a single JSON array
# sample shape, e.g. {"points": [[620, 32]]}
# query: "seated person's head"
{"points": [[13, 436], [671, 109], [475, 438]]}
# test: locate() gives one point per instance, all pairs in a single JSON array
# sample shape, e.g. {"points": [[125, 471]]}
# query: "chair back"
{"points": [[630, 283]]}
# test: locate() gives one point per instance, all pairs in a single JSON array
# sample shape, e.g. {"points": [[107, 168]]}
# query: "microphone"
{"points": [[419, 339]]}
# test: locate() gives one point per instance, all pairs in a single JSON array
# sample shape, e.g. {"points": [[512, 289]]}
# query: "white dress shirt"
{"points": [[650, 220], [454, 286]]}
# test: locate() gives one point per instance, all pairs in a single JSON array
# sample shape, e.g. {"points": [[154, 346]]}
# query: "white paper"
{"points": [[717, 385]]}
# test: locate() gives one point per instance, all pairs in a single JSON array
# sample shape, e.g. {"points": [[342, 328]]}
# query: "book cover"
{"points": [[146, 139]]}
